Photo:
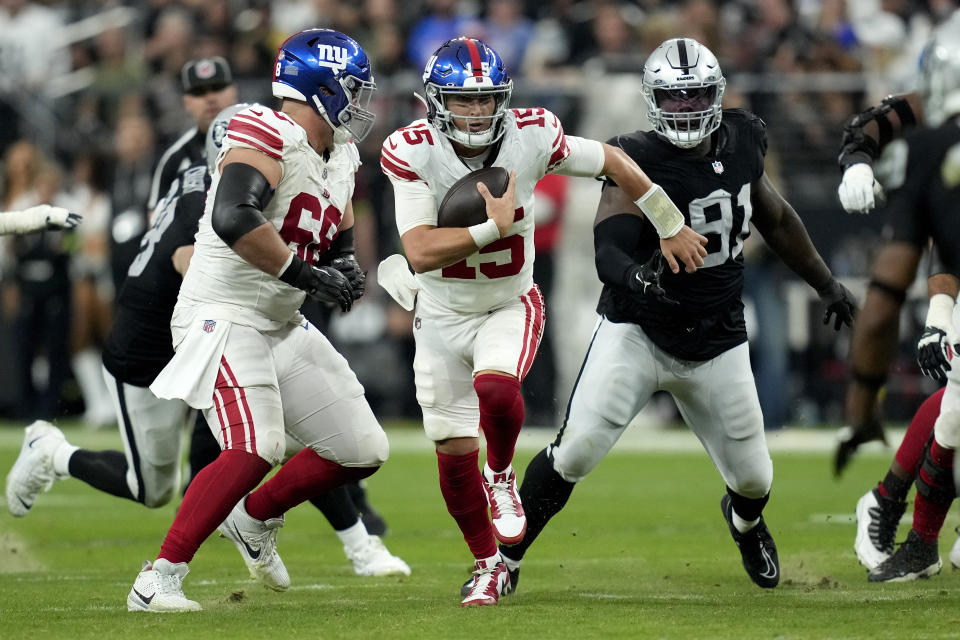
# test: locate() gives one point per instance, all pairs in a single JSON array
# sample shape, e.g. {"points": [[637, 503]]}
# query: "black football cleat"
{"points": [[916, 558], [757, 549]]}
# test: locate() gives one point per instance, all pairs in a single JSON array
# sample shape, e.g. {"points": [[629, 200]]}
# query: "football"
{"points": [[463, 206]]}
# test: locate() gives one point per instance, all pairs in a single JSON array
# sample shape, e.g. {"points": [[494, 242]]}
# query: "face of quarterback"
{"points": [[204, 103], [466, 107]]}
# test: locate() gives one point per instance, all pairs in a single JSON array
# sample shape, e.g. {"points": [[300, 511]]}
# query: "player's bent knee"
{"points": [[271, 445], [498, 394], [947, 429], [570, 463], [155, 500]]}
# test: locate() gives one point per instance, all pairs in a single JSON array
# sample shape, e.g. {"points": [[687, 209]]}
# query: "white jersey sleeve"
{"points": [[306, 210], [585, 160]]}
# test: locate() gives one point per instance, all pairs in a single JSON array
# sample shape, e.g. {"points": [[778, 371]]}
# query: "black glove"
{"points": [[851, 437], [325, 284], [645, 279], [839, 302], [348, 266], [934, 353]]}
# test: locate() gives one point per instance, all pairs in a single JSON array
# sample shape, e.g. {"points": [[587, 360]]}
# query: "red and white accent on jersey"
{"points": [[559, 150], [256, 133], [236, 420], [532, 331], [394, 166]]}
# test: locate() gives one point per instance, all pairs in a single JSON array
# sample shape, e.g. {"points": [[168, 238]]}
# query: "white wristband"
{"points": [[286, 263], [484, 233], [661, 212], [940, 311]]}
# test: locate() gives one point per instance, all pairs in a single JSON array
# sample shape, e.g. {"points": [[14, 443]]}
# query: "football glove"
{"points": [[840, 303], [859, 191], [645, 280], [324, 284], [934, 353], [348, 266], [851, 437]]}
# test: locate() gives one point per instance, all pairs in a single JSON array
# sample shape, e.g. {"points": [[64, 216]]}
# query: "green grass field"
{"points": [[641, 551]]}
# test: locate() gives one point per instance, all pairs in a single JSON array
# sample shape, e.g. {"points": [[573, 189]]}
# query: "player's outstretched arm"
{"points": [[864, 137], [678, 242], [37, 218], [784, 232]]}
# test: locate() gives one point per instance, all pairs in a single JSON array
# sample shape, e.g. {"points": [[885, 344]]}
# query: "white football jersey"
{"points": [[533, 145], [306, 210]]}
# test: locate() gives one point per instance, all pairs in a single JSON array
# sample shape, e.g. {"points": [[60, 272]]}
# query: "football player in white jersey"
{"points": [[277, 226], [479, 315]]}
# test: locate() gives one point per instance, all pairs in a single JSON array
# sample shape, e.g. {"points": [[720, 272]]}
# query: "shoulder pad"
{"points": [[261, 129], [407, 149]]}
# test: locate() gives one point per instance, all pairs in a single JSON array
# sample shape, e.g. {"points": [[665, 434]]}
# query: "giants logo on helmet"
{"points": [[332, 57]]}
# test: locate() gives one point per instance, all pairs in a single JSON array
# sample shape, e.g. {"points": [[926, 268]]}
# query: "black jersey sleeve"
{"points": [[905, 212]]}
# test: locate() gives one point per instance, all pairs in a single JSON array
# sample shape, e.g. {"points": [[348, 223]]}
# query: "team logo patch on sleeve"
{"points": [[209, 325]]}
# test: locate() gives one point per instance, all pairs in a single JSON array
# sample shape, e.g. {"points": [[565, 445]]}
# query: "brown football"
{"points": [[463, 206]]}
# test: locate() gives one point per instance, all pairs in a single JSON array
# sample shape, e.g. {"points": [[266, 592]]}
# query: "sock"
{"points": [[354, 536], [910, 454], [747, 509], [512, 564], [337, 507], [742, 525], [543, 494], [61, 459], [893, 486], [212, 495], [86, 365], [304, 476], [501, 416], [461, 489], [103, 470], [935, 492]]}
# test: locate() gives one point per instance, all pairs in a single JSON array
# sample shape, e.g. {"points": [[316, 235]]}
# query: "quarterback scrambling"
{"points": [[479, 315]]}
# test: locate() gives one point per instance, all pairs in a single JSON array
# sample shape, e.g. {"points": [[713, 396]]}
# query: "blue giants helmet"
{"points": [[329, 71], [466, 66]]}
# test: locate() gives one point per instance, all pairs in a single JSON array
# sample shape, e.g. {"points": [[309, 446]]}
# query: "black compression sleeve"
{"points": [[614, 241], [242, 195]]}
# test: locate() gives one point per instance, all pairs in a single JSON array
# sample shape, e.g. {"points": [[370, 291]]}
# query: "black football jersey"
{"points": [[924, 201], [139, 345], [713, 193]]}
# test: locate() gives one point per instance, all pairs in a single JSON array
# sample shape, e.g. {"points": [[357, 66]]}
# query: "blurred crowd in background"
{"points": [[90, 97]]}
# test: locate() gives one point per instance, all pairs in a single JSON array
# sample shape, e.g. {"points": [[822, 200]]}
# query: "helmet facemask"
{"points": [[683, 88], [353, 121], [446, 121]]}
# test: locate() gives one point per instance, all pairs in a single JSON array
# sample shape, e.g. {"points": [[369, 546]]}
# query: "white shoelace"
{"points": [[504, 498]]}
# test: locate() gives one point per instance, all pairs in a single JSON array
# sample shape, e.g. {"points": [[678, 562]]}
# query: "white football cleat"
{"points": [[877, 521], [33, 473], [955, 553], [373, 559], [257, 542], [487, 585], [506, 511], [159, 588]]}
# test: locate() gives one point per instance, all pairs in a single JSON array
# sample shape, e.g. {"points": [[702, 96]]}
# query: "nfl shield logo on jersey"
{"points": [[717, 167], [209, 325]]}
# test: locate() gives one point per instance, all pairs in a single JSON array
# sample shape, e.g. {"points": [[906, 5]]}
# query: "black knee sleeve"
{"points": [[935, 483]]}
